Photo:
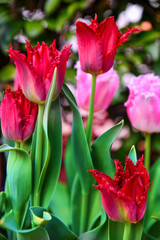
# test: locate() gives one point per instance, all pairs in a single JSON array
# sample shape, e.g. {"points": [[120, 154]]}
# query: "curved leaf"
{"points": [[18, 182], [51, 156], [58, 231], [9, 222], [54, 165], [79, 143], [39, 218], [100, 150], [96, 232]]}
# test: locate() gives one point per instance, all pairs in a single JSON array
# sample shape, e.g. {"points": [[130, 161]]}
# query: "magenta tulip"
{"points": [[18, 116], [143, 105], [35, 71], [97, 44], [124, 198], [106, 86]]}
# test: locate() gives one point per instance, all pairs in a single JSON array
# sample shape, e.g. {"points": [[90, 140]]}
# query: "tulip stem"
{"points": [[91, 111], [147, 152], [38, 154], [109, 228], [84, 206], [126, 234], [17, 145]]}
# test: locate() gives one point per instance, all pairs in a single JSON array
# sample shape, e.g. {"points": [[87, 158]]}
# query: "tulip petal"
{"points": [[124, 197], [89, 48], [118, 208], [61, 68], [31, 83], [123, 38], [18, 116], [10, 118], [109, 34]]}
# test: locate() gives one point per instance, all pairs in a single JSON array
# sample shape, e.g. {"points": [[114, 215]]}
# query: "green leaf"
{"points": [[53, 169], [153, 203], [59, 204], [39, 233], [96, 232], [95, 207], [133, 155], [18, 187], [100, 150], [76, 199], [7, 73], [9, 222], [157, 218], [143, 38], [33, 28], [58, 231], [136, 230], [154, 230], [51, 5], [51, 158], [2, 237], [2, 199], [79, 143], [39, 218], [70, 166], [116, 230]]}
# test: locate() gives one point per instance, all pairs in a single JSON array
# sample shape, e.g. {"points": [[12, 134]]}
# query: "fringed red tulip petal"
{"points": [[64, 55], [18, 116], [35, 70], [124, 197]]}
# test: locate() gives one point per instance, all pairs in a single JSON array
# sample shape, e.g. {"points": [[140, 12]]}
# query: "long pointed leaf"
{"points": [[79, 142], [53, 169], [100, 150]]}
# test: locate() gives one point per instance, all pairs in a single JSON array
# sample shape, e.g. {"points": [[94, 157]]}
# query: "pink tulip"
{"points": [[37, 68], [124, 198], [18, 116], [143, 104], [106, 86], [97, 44]]}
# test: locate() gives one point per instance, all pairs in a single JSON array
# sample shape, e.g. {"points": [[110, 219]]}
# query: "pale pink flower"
{"points": [[106, 86], [143, 104]]}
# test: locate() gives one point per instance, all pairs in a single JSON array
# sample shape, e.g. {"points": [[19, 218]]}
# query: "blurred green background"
{"points": [[46, 20]]}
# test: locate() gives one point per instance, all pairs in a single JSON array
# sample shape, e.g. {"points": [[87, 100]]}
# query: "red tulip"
{"points": [[18, 116], [35, 71], [97, 44], [124, 197]]}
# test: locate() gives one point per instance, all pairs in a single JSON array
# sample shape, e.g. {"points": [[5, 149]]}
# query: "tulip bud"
{"points": [[18, 116]]}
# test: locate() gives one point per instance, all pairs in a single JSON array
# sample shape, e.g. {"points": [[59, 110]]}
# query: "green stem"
{"points": [[84, 206], [38, 154], [17, 145], [91, 111], [108, 229], [126, 234], [147, 152]]}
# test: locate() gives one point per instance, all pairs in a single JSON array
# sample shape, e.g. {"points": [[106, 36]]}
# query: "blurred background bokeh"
{"points": [[46, 20]]}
